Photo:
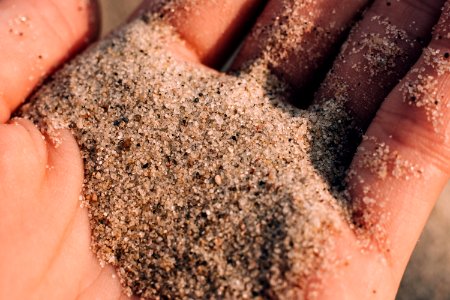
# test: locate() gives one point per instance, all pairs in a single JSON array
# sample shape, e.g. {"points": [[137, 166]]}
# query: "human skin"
{"points": [[45, 233]]}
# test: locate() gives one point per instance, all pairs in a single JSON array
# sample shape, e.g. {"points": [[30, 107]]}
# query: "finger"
{"points": [[210, 29], [296, 37], [378, 53], [404, 162], [37, 215], [38, 36]]}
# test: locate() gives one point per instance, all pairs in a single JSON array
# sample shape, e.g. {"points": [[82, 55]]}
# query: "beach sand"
{"points": [[199, 184], [427, 274]]}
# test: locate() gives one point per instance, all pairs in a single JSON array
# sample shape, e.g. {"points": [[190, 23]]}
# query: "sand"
{"points": [[199, 184], [423, 274]]}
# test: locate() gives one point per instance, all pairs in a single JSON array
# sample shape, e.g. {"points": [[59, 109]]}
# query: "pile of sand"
{"points": [[198, 184]]}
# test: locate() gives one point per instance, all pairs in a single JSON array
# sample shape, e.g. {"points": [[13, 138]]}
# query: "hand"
{"points": [[44, 231], [46, 235]]}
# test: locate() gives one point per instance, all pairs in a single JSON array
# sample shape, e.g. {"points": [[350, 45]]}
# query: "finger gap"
{"points": [[307, 93], [233, 47], [236, 46]]}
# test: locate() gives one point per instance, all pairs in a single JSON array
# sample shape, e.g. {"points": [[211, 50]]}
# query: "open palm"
{"points": [[45, 233]]}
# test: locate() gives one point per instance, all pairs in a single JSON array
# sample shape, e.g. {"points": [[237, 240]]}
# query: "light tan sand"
{"points": [[257, 205], [198, 184]]}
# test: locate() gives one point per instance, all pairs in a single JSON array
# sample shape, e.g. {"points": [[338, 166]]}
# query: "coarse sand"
{"points": [[199, 184]]}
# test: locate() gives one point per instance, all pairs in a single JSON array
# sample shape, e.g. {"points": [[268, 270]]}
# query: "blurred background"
{"points": [[428, 273]]}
